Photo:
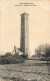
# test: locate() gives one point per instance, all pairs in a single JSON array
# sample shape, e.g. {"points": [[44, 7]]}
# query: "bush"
{"points": [[11, 59]]}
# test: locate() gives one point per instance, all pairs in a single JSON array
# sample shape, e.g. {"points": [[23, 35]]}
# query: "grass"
{"points": [[29, 70]]}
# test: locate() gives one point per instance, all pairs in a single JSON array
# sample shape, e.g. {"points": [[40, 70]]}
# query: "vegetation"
{"points": [[43, 51], [8, 58], [25, 56]]}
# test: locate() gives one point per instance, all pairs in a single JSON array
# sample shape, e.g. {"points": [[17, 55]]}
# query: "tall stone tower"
{"points": [[24, 45]]}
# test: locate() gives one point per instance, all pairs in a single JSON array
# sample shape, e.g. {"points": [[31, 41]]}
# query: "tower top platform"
{"points": [[25, 14]]}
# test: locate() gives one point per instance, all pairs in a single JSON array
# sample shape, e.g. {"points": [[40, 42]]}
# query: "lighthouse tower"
{"points": [[24, 43]]}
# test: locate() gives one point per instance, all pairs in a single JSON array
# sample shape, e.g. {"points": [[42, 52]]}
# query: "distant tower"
{"points": [[24, 45]]}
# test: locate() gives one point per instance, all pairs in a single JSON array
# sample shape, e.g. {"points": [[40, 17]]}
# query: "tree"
{"points": [[43, 50]]}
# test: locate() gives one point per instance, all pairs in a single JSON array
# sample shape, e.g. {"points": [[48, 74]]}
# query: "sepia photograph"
{"points": [[24, 40]]}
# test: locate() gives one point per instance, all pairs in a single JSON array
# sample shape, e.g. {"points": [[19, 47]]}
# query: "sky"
{"points": [[10, 23]]}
